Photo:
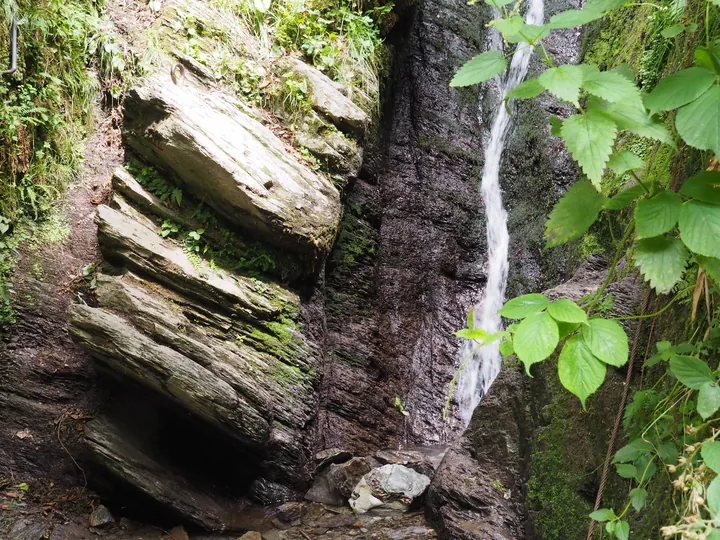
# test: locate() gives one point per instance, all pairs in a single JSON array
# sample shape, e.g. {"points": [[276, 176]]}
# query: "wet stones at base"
{"points": [[390, 487]]}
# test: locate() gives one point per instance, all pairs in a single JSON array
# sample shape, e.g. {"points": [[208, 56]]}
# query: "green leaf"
{"points": [[632, 451], [679, 89], [589, 137], [555, 126], [626, 470], [700, 228], [499, 3], [698, 123], [667, 452], [509, 26], [711, 266], [604, 514], [535, 339], [522, 306], [564, 310], [626, 71], [565, 329], [574, 17], [661, 261], [580, 372], [708, 401], [691, 371], [625, 161], [604, 5], [471, 318], [607, 341], [672, 31], [525, 90], [528, 32], [481, 68], [564, 82], [704, 187], [609, 86], [658, 215], [472, 333], [506, 347], [573, 215], [625, 197], [610, 527], [710, 453], [713, 496], [708, 58], [638, 496], [622, 530], [632, 117]]}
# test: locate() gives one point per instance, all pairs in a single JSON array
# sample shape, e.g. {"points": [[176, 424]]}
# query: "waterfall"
{"points": [[482, 369]]}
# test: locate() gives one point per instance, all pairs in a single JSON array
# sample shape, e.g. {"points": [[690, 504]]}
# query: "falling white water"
{"points": [[481, 370]]}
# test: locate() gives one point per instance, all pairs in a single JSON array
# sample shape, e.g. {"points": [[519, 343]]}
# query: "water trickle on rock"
{"points": [[481, 370]]}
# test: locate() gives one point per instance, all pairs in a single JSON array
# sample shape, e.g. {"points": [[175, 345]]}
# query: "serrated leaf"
{"points": [[624, 198], [713, 496], [564, 310], [555, 126], [704, 187], [604, 514], [679, 89], [481, 68], [698, 123], [626, 71], [563, 82], [498, 3], [610, 527], [529, 33], [658, 215], [574, 17], [661, 261], [667, 452], [535, 339], [626, 470], [607, 340], [609, 86], [526, 90], [638, 496], [700, 228], [708, 401], [510, 26], [622, 530], [691, 371], [579, 371], [625, 161], [711, 266], [506, 347], [710, 453], [589, 137], [573, 215], [632, 117], [522, 306]]}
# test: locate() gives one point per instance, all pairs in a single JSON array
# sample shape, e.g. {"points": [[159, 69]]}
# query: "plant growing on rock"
{"points": [[670, 235]]}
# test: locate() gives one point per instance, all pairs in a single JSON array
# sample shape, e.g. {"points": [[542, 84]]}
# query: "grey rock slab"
{"points": [[390, 487], [331, 455], [323, 492], [231, 161], [344, 477]]}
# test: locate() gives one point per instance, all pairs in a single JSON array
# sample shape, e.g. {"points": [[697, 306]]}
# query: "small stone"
{"points": [[291, 513], [101, 517], [252, 535]]}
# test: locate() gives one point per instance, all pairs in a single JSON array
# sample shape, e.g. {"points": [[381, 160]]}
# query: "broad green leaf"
{"points": [[632, 451], [672, 31], [609, 86], [713, 496], [563, 82], [610, 528], [710, 453], [580, 372], [708, 401], [704, 187], [658, 215], [638, 496], [661, 261], [589, 137], [606, 340], [646, 467], [472, 333], [626, 470], [564, 310], [625, 161], [573, 215], [622, 530], [711, 266], [535, 339], [700, 228], [510, 25], [499, 3], [632, 117], [522, 306], [528, 32], [506, 347], [708, 58], [604, 5], [667, 452], [679, 89], [481, 68], [604, 514], [698, 123], [691, 371], [525, 90], [626, 71], [624, 198], [565, 329], [574, 17], [555, 126]]}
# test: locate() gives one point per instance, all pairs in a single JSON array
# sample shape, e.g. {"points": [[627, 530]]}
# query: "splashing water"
{"points": [[481, 370]]}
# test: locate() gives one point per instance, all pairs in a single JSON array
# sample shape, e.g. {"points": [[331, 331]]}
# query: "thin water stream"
{"points": [[481, 370]]}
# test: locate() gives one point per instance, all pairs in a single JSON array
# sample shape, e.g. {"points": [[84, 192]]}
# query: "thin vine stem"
{"points": [[677, 297], [611, 271]]}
